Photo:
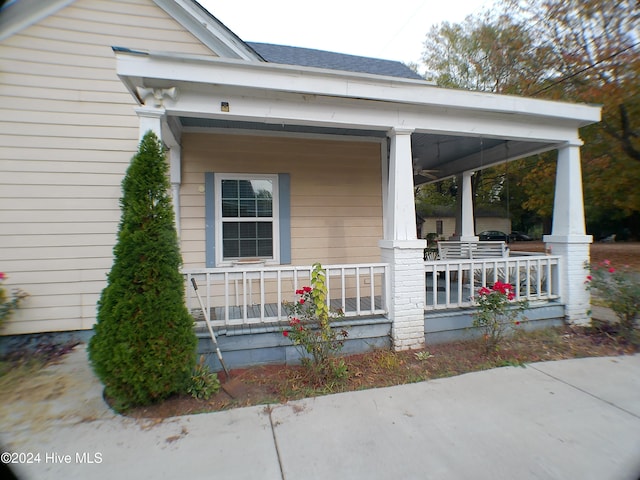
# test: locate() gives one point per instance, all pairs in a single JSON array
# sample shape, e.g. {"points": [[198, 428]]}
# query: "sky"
{"points": [[371, 28]]}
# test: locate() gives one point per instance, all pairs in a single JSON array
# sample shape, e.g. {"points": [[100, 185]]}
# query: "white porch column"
{"points": [[175, 177], [401, 249], [467, 228], [150, 118], [465, 220], [568, 236]]}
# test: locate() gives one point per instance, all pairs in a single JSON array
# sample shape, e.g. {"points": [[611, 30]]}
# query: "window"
{"points": [[246, 218], [439, 227]]}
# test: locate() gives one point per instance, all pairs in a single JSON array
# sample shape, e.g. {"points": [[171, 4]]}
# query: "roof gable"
{"points": [[208, 29], [308, 57], [17, 15]]}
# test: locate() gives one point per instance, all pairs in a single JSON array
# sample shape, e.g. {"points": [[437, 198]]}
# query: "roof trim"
{"points": [[342, 84], [17, 15], [208, 29]]}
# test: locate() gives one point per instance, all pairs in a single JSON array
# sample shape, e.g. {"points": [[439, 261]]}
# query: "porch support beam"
{"points": [[467, 223], [150, 118], [175, 177], [568, 236], [401, 249], [400, 200]]}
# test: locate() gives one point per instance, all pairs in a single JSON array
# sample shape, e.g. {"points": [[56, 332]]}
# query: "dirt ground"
{"points": [[281, 383]]}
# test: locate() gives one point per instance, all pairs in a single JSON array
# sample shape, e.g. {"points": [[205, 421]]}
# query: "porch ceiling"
{"points": [[441, 155]]}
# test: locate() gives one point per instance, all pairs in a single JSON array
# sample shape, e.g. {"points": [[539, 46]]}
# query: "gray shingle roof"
{"points": [[308, 57]]}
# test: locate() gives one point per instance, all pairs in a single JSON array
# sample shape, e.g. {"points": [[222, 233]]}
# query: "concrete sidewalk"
{"points": [[572, 419]]}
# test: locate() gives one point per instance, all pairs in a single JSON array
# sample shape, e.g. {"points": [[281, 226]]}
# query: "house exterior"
{"points": [[279, 158]]}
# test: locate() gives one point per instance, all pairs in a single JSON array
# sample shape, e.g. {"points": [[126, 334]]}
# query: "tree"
{"points": [[432, 198], [596, 60], [144, 345], [593, 57], [486, 53], [581, 51]]}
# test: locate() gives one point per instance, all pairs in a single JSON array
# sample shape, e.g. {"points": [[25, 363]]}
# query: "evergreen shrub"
{"points": [[144, 346]]}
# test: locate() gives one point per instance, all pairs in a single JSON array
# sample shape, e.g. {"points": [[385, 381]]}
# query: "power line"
{"points": [[589, 67]]}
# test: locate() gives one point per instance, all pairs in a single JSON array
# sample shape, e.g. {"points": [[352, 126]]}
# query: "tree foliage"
{"points": [[143, 349], [574, 50], [432, 198], [486, 53]]}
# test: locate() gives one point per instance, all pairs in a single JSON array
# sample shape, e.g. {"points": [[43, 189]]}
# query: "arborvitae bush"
{"points": [[144, 345]]}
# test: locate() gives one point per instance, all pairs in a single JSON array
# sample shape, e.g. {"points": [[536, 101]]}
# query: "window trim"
{"points": [[218, 219]]}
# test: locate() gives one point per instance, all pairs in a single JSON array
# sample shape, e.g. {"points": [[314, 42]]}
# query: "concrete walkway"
{"points": [[572, 419]]}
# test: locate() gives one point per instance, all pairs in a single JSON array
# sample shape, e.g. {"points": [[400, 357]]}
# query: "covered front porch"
{"points": [[247, 304], [351, 141]]}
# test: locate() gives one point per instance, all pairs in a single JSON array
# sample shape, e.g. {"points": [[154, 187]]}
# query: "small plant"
{"points": [[618, 289], [203, 383], [310, 328], [388, 360], [497, 311], [423, 355], [9, 302]]}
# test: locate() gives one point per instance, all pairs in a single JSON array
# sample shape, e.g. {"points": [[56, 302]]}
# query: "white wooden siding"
{"points": [[67, 133]]}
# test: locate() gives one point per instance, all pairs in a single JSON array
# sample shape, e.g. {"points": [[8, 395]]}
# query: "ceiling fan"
{"points": [[424, 173]]}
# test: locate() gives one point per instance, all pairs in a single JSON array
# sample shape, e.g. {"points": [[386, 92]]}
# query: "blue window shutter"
{"points": [[210, 219], [284, 200]]}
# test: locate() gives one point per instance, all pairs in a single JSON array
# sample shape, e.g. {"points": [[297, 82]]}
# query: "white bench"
{"points": [[455, 250], [452, 250]]}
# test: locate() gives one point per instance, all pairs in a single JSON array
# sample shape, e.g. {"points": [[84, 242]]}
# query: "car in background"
{"points": [[494, 235], [519, 237]]}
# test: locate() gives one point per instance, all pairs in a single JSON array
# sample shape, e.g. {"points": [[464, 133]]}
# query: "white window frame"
{"points": [[220, 261]]}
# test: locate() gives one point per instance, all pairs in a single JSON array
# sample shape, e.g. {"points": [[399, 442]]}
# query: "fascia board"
{"points": [[321, 82], [363, 114], [208, 29]]}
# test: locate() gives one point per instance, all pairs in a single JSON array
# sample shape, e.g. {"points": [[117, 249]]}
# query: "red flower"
{"points": [[285, 333], [606, 263], [517, 323], [484, 291], [2, 276], [611, 270], [302, 301], [294, 321], [299, 291], [511, 296], [307, 289], [589, 278]]}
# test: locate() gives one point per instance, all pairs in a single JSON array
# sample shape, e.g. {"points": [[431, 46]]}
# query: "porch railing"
{"points": [[250, 295], [453, 283]]}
